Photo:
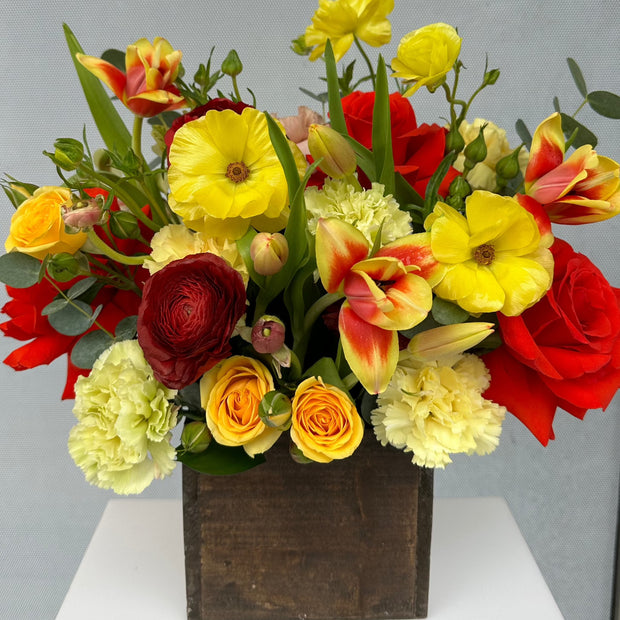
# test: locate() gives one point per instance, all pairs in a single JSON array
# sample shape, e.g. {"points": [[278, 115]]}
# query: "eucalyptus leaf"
{"points": [[89, 347], [575, 71], [326, 369], [19, 270], [447, 313], [524, 133], [115, 57], [368, 403], [126, 328], [605, 103], [556, 104], [54, 306], [80, 287], [219, 460], [72, 320], [583, 135]]}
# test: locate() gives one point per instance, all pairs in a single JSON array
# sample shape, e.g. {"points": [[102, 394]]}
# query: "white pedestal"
{"points": [[481, 567]]}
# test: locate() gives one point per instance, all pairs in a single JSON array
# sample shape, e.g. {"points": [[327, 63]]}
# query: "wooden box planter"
{"points": [[345, 540]]}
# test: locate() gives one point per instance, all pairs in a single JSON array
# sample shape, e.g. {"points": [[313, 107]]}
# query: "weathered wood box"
{"points": [[342, 541]]}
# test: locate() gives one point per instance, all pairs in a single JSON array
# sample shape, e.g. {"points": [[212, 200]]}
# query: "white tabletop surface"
{"points": [[481, 567]]}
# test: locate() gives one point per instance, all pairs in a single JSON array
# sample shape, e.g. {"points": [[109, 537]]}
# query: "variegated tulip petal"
{"points": [[578, 210], [547, 150], [339, 246], [602, 181], [371, 352], [107, 73]]}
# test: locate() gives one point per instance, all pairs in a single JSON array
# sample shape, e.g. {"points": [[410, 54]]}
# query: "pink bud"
{"points": [[268, 334], [86, 214]]}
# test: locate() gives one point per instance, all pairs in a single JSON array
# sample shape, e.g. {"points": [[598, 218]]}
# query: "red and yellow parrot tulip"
{"points": [[583, 188], [146, 87], [382, 295]]}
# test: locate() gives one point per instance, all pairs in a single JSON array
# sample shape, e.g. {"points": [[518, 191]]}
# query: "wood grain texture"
{"points": [[344, 541]]}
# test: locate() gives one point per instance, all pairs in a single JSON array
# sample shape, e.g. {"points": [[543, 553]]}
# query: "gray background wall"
{"points": [[564, 497]]}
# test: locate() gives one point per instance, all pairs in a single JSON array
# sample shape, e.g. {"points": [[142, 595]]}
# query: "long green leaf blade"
{"points": [[109, 123], [382, 131], [336, 115]]}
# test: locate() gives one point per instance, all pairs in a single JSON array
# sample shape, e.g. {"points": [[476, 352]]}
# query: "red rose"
{"points": [[219, 103], [562, 352], [188, 312], [418, 151]]}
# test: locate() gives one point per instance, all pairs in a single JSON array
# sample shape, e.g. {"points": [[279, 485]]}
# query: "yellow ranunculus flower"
{"points": [[224, 174], [341, 21], [231, 393], [426, 55], [492, 260], [37, 227], [325, 423]]}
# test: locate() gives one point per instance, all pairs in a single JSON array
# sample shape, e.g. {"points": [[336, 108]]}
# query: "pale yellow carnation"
{"points": [[176, 241], [435, 409], [482, 175], [365, 209], [122, 438]]}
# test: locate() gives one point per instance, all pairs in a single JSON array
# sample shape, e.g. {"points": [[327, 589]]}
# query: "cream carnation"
{"points": [[482, 175], [364, 209], [122, 439], [176, 241], [435, 409]]}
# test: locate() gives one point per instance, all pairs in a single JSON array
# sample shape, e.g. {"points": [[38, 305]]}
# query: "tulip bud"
{"points": [[232, 65], [448, 340], [269, 252], [63, 267], [68, 153], [124, 225], [195, 437], [332, 148], [275, 410], [268, 334]]}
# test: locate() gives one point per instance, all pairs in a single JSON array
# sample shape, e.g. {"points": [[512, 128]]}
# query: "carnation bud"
{"points": [[448, 340], [232, 64], [68, 153], [475, 151], [195, 437], [268, 334], [332, 148], [63, 267], [454, 140], [490, 77], [124, 225], [269, 253], [508, 167], [275, 410]]}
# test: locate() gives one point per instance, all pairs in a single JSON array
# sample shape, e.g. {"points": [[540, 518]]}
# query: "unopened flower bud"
{"points": [[508, 167], [275, 410], [124, 225], [63, 267], [448, 340], [454, 140], [268, 334], [476, 150], [459, 187], [195, 437], [85, 214], [490, 77], [269, 252], [332, 148], [299, 46], [232, 64], [68, 153]]}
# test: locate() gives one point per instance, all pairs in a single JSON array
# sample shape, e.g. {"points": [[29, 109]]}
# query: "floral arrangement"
{"points": [[319, 276]]}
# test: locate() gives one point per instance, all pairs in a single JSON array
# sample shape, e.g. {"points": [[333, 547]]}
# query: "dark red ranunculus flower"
{"points": [[562, 352], [188, 312], [220, 103], [417, 151]]}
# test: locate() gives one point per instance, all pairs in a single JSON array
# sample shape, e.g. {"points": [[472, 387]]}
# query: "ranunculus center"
{"points": [[237, 171], [484, 254]]}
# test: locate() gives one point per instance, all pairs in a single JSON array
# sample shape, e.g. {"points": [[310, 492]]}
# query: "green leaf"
{"points": [[320, 97], [556, 104], [582, 136], [80, 287], [368, 403], [524, 133], [219, 460], [447, 313], [382, 131], [336, 115], [575, 71], [126, 328], [405, 194], [326, 369], [605, 103], [54, 306], [89, 347], [109, 123], [432, 189], [19, 270], [72, 320], [115, 57]]}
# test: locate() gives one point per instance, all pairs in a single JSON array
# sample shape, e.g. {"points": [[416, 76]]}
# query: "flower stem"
{"points": [[136, 136], [367, 60], [113, 254]]}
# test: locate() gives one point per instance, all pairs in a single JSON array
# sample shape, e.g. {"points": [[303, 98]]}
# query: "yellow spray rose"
{"points": [[426, 55], [231, 393], [37, 227], [325, 423]]}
